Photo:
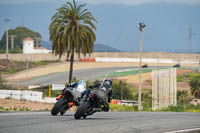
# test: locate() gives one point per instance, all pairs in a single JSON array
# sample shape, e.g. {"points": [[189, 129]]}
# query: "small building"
{"points": [[29, 48]]}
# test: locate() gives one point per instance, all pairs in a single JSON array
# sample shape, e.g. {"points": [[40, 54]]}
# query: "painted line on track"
{"points": [[185, 131]]}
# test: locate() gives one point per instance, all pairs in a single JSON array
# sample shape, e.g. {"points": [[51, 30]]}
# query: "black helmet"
{"points": [[107, 83]]}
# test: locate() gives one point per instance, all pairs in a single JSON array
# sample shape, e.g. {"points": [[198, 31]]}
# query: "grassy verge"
{"points": [[182, 108], [123, 73], [14, 109], [115, 107], [22, 65]]}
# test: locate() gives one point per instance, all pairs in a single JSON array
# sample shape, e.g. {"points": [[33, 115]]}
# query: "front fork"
{"points": [[70, 104]]}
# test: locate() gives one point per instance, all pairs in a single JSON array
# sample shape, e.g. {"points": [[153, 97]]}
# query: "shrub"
{"points": [[122, 90], [195, 84]]}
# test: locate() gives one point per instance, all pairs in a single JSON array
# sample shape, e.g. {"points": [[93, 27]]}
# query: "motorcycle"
{"points": [[71, 95], [95, 101]]}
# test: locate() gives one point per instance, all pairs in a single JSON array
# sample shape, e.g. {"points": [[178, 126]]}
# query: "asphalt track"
{"points": [[102, 122], [62, 77]]}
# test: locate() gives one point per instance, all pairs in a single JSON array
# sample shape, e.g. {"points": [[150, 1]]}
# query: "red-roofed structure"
{"points": [[28, 39]]}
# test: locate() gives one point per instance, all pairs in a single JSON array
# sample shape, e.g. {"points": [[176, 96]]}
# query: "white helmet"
{"points": [[83, 83]]}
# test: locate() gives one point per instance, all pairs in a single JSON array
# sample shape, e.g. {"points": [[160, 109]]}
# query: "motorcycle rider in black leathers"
{"points": [[107, 87]]}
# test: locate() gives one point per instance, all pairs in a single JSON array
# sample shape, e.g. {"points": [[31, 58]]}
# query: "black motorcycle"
{"points": [[95, 101], [70, 96]]}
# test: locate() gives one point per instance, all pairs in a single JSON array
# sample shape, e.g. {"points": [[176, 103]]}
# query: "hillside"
{"points": [[97, 47], [105, 48], [21, 33]]}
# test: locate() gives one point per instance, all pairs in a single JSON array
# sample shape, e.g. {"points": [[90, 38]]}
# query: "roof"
{"points": [[28, 39]]}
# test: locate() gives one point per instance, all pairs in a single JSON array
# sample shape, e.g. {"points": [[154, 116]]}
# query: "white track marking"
{"points": [[185, 130]]}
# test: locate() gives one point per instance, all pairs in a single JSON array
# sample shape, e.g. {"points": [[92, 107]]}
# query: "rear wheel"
{"points": [[81, 110], [58, 106]]}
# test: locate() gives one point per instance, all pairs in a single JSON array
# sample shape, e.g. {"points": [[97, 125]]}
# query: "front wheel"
{"points": [[58, 106], [81, 110]]}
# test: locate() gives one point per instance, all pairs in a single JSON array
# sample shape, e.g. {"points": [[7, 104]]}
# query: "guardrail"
{"points": [[26, 95], [21, 95], [124, 102]]}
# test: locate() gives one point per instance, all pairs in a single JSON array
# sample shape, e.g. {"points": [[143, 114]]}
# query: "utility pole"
{"points": [[37, 41], [23, 21], [141, 27], [12, 41], [6, 21], [190, 38]]}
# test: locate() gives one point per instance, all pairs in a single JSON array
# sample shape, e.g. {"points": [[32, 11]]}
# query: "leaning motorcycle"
{"points": [[95, 101], [70, 96]]}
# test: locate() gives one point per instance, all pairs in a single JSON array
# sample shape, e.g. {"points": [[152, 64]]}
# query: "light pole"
{"points": [[6, 21], [141, 27]]}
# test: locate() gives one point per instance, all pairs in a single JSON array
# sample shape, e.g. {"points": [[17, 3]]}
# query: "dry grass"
{"points": [[16, 104], [61, 67]]}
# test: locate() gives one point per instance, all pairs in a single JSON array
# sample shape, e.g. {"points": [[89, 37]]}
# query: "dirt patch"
{"points": [[147, 80], [6, 64], [21, 105], [134, 80], [62, 67], [26, 105], [183, 71]]}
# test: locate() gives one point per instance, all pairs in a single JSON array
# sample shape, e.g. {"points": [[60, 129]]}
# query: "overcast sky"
{"points": [[167, 21]]}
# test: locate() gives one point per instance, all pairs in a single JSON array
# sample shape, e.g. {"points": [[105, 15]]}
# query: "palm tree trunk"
{"points": [[71, 66], [79, 56], [67, 59]]}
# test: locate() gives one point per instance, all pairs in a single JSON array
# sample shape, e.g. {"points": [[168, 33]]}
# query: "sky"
{"points": [[167, 21]]}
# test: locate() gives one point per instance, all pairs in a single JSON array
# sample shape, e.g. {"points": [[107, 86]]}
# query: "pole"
{"points": [[49, 90], [7, 20], [140, 69], [190, 39], [12, 41]]}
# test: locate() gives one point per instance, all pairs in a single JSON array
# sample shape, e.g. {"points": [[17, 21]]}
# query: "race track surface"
{"points": [[86, 74], [103, 122]]}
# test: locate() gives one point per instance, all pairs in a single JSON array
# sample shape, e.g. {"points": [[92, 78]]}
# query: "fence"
{"points": [[164, 88], [21, 95]]}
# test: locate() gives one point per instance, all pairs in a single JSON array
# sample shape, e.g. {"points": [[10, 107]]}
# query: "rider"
{"points": [[107, 87], [80, 86]]}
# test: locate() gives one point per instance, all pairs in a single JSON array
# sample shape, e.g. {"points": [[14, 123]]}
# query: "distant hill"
{"points": [[46, 44], [105, 48], [21, 33], [97, 47]]}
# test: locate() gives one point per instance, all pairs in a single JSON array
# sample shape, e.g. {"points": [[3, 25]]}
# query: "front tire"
{"points": [[58, 106], [81, 110]]}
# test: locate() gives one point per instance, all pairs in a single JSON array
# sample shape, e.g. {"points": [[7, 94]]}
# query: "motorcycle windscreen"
{"points": [[76, 94], [101, 94]]}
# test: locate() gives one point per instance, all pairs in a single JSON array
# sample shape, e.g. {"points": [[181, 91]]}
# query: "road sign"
{"points": [[58, 86]]}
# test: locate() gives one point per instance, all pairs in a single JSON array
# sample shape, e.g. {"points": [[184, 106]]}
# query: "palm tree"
{"points": [[71, 30]]}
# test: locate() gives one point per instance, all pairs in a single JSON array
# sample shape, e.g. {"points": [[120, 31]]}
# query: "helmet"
{"points": [[107, 83], [82, 82]]}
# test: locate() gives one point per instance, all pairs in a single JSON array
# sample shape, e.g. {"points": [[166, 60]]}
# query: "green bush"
{"points": [[195, 84], [122, 90], [182, 95], [179, 78]]}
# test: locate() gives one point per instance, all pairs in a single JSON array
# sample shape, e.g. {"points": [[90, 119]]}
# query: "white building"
{"points": [[28, 47]]}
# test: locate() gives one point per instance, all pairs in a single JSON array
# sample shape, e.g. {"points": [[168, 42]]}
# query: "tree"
{"points": [[21, 33], [121, 90], [195, 85], [71, 30]]}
